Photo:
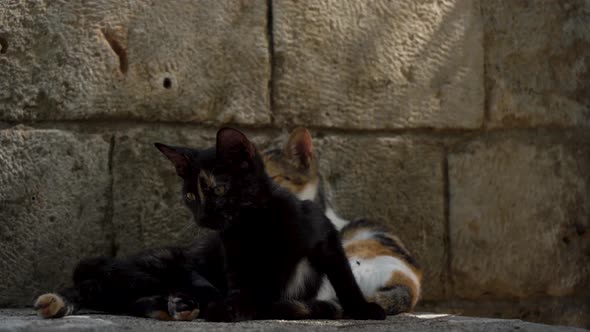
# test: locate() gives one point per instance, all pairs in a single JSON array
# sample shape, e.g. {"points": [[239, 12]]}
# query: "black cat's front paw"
{"points": [[220, 311], [367, 311], [182, 308]]}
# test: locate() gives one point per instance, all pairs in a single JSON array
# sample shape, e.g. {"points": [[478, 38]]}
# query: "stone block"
{"points": [[187, 61], [378, 64], [397, 181], [54, 189], [520, 217], [537, 62]]}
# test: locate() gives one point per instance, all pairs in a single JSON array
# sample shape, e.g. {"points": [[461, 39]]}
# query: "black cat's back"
{"points": [[304, 228], [276, 245], [141, 284]]}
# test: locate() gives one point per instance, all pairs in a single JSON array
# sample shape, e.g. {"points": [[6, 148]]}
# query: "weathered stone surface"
{"points": [[22, 320], [53, 208], [396, 180], [537, 62], [555, 311], [378, 64], [148, 207], [200, 61], [520, 217]]}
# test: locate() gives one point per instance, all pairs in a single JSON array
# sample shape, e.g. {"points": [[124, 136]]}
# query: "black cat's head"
{"points": [[219, 182]]}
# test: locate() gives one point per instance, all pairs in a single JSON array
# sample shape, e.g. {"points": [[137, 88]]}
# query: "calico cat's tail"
{"points": [[68, 300], [296, 310]]}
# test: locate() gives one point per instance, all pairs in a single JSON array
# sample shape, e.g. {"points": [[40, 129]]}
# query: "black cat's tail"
{"points": [[68, 301], [296, 310]]}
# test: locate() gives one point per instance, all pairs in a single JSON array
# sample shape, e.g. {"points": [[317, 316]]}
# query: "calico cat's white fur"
{"points": [[382, 266], [338, 222]]}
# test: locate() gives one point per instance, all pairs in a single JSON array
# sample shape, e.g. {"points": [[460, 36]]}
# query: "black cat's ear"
{"points": [[178, 158], [234, 148], [299, 148]]}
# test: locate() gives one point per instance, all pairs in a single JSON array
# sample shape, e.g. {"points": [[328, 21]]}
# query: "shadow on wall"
{"points": [[378, 66]]}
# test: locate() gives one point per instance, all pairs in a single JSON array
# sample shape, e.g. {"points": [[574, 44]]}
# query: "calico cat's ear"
{"points": [[178, 158], [234, 148], [299, 147]]}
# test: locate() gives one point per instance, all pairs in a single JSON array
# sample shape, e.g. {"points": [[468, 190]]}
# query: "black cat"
{"points": [[271, 248], [166, 283], [276, 247]]}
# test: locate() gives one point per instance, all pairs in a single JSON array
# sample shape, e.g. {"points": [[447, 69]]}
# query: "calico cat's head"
{"points": [[220, 181], [294, 166]]}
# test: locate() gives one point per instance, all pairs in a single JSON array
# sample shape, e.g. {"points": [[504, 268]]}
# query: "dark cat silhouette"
{"points": [[166, 283], [266, 258], [276, 247]]}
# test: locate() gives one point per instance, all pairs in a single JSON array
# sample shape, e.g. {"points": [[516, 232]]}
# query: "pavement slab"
{"points": [[27, 320]]}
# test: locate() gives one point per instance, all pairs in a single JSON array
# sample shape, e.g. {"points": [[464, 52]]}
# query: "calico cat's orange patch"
{"points": [[367, 249], [371, 248], [349, 233], [291, 185], [293, 166], [372, 245], [288, 177]]}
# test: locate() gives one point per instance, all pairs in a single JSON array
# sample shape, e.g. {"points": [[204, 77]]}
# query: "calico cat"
{"points": [[276, 248], [167, 283], [383, 267]]}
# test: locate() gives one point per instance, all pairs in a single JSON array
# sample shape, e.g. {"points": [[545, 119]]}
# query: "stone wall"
{"points": [[461, 123]]}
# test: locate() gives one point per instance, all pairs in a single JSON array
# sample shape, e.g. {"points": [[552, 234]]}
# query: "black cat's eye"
{"points": [[190, 196], [219, 190]]}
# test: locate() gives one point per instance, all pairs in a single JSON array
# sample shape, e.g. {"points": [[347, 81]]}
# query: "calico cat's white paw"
{"points": [[50, 305]]}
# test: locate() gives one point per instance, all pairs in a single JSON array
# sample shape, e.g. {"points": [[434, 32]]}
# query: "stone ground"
{"points": [[27, 320]]}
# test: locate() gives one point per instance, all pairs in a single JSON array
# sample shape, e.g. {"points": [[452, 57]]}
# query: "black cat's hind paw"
{"points": [[369, 311], [50, 305], [182, 308]]}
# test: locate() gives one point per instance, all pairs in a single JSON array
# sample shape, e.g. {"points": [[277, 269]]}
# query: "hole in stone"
{"points": [[3, 45], [118, 49], [565, 240], [33, 198], [167, 83]]}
